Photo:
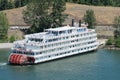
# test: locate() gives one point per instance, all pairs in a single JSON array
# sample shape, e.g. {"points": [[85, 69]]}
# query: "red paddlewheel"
{"points": [[17, 59]]}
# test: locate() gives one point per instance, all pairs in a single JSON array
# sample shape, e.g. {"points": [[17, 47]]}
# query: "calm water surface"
{"points": [[99, 65]]}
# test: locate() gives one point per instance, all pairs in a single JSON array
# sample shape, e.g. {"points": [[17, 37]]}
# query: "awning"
{"points": [[17, 58]]}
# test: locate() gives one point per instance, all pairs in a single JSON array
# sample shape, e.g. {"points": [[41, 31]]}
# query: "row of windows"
{"points": [[22, 52], [61, 38], [61, 44], [67, 42], [68, 52], [56, 33], [73, 36], [65, 48], [36, 40], [52, 50], [53, 55], [80, 30]]}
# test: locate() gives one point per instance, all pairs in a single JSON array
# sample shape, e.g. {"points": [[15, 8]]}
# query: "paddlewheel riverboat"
{"points": [[53, 43]]}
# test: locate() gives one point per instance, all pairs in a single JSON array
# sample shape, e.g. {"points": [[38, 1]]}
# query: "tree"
{"points": [[25, 2], [10, 4], [89, 18], [36, 15], [20, 3], [56, 15], [12, 39], [110, 41], [44, 14], [6, 4], [97, 2], [3, 4], [3, 26], [108, 2], [117, 27], [117, 42]]}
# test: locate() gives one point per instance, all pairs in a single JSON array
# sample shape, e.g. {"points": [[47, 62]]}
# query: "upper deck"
{"points": [[51, 32], [32, 41]]}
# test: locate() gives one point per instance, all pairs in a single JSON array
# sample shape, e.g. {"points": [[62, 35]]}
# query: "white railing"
{"points": [[68, 52], [68, 49], [68, 44], [60, 41]]}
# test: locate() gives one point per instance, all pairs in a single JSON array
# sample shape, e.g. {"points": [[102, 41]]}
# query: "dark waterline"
{"points": [[99, 65]]}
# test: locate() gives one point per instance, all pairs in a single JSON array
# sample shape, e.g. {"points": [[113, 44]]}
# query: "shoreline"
{"points": [[6, 45], [102, 44], [111, 47]]}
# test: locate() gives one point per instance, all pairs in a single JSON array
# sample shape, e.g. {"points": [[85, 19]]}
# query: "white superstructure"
{"points": [[53, 43]]}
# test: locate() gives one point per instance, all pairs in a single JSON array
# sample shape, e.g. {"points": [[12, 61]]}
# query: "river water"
{"points": [[99, 65]]}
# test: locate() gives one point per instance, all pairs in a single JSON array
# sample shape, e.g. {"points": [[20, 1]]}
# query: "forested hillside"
{"points": [[97, 2], [104, 15], [10, 4]]}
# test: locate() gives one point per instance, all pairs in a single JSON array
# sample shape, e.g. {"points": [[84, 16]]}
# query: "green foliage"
{"points": [[117, 31], [97, 2], [117, 42], [3, 26], [12, 39], [110, 41], [3, 4], [56, 14], [44, 14], [36, 15], [9, 4], [6, 4], [89, 18], [20, 3], [109, 3], [117, 27]]}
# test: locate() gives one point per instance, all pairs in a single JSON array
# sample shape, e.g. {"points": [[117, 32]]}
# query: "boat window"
{"points": [[84, 29], [37, 40], [55, 33], [40, 40], [31, 53], [13, 51], [69, 31], [41, 46], [79, 30], [56, 39], [67, 37], [60, 32]]}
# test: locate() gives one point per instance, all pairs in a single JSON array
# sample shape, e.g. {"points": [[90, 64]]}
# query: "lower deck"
{"points": [[61, 55], [57, 57]]}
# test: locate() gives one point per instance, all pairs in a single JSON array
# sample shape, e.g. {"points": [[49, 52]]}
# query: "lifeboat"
{"points": [[20, 59]]}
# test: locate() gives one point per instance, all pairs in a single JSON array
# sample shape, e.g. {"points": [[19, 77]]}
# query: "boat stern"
{"points": [[20, 59]]}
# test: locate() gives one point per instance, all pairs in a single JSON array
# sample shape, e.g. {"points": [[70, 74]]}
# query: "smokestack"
{"points": [[79, 23], [72, 22]]}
